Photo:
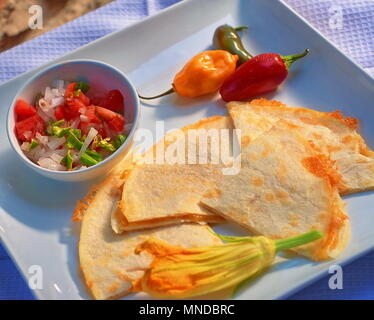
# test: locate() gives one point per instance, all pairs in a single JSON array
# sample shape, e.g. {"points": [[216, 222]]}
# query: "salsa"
{"points": [[70, 127]]}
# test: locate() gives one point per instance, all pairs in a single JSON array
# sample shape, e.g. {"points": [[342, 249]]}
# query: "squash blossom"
{"points": [[178, 272]]}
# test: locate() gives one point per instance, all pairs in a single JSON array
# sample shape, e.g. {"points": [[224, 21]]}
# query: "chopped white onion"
{"points": [[90, 136], [55, 142], [42, 114], [48, 95], [25, 146], [82, 110], [56, 157], [58, 84], [42, 139], [75, 124], [27, 134], [57, 101], [50, 164], [84, 118], [47, 108]]}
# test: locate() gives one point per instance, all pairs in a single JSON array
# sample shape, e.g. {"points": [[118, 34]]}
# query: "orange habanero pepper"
{"points": [[203, 74]]}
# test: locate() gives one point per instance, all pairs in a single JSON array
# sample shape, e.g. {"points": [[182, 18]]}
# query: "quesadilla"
{"points": [[284, 188], [163, 194], [329, 133], [107, 260]]}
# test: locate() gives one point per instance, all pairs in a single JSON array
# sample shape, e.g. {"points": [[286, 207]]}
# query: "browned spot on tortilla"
{"points": [[347, 139], [89, 283], [323, 167], [294, 223], [245, 140], [316, 135], [113, 287], [269, 197], [214, 193], [266, 102], [257, 181], [281, 194], [309, 120], [291, 125], [314, 146], [331, 148], [349, 121]]}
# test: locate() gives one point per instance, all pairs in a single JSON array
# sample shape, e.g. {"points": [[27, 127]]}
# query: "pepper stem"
{"points": [[288, 60], [171, 90], [241, 28], [300, 240]]}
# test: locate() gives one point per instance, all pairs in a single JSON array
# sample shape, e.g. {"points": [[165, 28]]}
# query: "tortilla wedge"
{"points": [[284, 188], [164, 194], [330, 134], [107, 260]]}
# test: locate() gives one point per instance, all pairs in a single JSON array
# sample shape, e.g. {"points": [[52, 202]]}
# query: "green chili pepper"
{"points": [[72, 141], [93, 154], [88, 160], [77, 133], [68, 160], [59, 132], [119, 140], [226, 38], [33, 144], [81, 86], [58, 123], [105, 144]]}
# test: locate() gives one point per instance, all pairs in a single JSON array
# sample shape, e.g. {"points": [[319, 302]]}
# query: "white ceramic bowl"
{"points": [[101, 77]]}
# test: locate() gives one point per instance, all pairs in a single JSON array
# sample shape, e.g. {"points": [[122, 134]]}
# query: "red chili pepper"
{"points": [[259, 75]]}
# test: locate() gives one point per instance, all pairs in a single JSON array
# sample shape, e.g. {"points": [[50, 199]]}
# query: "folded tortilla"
{"points": [[329, 133], [107, 260], [284, 188], [163, 194]]}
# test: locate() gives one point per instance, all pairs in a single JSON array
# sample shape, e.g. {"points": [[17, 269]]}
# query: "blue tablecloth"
{"points": [[348, 23]]}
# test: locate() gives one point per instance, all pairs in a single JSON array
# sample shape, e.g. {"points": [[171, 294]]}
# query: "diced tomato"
{"points": [[84, 99], [114, 120], [86, 126], [70, 90], [59, 113], [91, 114], [32, 124], [71, 96], [24, 109], [71, 108], [117, 124], [71, 112], [75, 102], [97, 101], [114, 101]]}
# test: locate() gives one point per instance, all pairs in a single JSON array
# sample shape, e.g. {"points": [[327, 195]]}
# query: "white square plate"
{"points": [[35, 212]]}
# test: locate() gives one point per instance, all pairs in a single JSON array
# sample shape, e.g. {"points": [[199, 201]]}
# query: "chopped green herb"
{"points": [[119, 140], [33, 144]]}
